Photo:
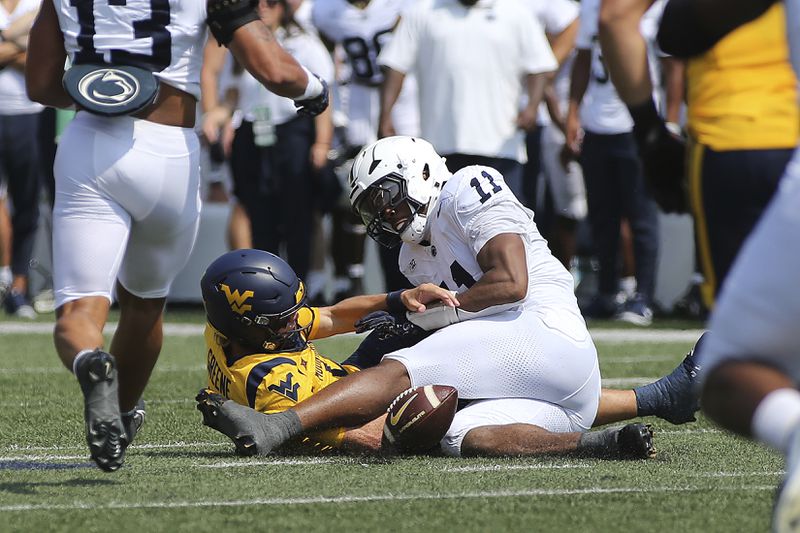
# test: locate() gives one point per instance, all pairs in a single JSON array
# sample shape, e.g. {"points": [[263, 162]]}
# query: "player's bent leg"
{"points": [[252, 433], [675, 397], [615, 405], [136, 344], [356, 398], [516, 440], [633, 441], [349, 402]]}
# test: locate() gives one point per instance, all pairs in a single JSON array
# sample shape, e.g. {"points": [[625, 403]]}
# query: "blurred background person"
{"points": [[274, 150], [20, 168], [359, 30], [599, 129], [469, 97]]}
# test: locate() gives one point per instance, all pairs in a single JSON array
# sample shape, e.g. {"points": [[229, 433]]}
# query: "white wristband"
{"points": [[439, 316], [314, 87]]}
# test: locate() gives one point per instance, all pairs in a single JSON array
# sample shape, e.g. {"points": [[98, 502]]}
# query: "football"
{"points": [[419, 417]]}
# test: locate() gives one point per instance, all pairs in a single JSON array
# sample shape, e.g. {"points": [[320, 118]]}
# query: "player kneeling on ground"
{"points": [[512, 342]]}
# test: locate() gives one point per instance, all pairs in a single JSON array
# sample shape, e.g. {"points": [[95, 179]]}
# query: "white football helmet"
{"points": [[395, 184]]}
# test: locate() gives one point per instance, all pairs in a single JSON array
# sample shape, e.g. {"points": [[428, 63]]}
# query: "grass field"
{"points": [[182, 476]]}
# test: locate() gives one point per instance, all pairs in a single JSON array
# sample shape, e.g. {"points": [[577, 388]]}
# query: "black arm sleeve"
{"points": [[691, 27], [226, 16]]}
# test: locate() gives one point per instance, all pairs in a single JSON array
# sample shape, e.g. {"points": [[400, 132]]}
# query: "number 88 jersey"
{"points": [[361, 32], [164, 36]]}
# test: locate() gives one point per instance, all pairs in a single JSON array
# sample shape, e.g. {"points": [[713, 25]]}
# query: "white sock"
{"points": [[77, 359], [776, 418], [5, 275]]}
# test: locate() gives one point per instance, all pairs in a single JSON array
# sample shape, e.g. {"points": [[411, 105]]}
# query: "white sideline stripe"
{"points": [[601, 335], [45, 457], [50, 370], [646, 335], [624, 382], [168, 445], [503, 468], [640, 359], [736, 474], [376, 498]]}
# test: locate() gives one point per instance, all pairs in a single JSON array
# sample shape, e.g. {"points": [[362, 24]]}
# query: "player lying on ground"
{"points": [[258, 355]]}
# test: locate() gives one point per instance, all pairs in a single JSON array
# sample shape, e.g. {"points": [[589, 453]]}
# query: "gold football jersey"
{"points": [[275, 382], [742, 94]]}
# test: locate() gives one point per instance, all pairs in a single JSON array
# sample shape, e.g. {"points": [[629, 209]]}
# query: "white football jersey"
{"points": [[602, 111], [476, 205], [362, 33], [13, 97], [164, 36]]}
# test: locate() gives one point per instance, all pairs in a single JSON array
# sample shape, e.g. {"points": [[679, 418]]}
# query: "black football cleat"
{"points": [[105, 430], [252, 432], [675, 397], [635, 441], [134, 420]]}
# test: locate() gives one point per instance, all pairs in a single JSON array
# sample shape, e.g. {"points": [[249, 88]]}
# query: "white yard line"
{"points": [[318, 500], [600, 335], [505, 468]]}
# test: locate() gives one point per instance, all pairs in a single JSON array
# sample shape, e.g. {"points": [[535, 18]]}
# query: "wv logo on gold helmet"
{"points": [[237, 301], [254, 297]]}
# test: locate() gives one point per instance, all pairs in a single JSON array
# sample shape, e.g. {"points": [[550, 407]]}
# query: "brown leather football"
{"points": [[418, 418]]}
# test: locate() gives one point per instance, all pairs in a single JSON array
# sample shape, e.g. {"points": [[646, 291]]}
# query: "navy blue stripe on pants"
{"points": [[615, 189]]}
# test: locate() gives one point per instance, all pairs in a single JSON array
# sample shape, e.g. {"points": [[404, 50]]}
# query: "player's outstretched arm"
{"points": [[235, 24], [46, 57], [504, 283], [341, 317]]}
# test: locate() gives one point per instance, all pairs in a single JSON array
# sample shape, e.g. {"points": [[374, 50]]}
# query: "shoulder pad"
{"points": [[226, 16]]}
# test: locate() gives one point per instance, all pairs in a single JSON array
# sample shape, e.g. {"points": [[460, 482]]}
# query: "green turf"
{"points": [[181, 476]]}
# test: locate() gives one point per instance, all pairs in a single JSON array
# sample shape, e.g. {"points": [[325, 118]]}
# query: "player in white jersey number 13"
{"points": [[127, 185], [513, 342]]}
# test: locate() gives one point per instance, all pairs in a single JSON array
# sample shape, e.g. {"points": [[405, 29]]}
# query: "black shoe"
{"points": [[634, 441], [134, 420], [691, 305], [105, 431], [252, 432], [674, 397]]}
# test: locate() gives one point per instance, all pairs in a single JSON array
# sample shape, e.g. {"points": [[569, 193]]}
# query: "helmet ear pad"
{"points": [[399, 169], [252, 296]]}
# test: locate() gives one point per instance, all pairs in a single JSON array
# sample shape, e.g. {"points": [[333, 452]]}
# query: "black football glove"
{"points": [[387, 324], [662, 154], [390, 332], [314, 106]]}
